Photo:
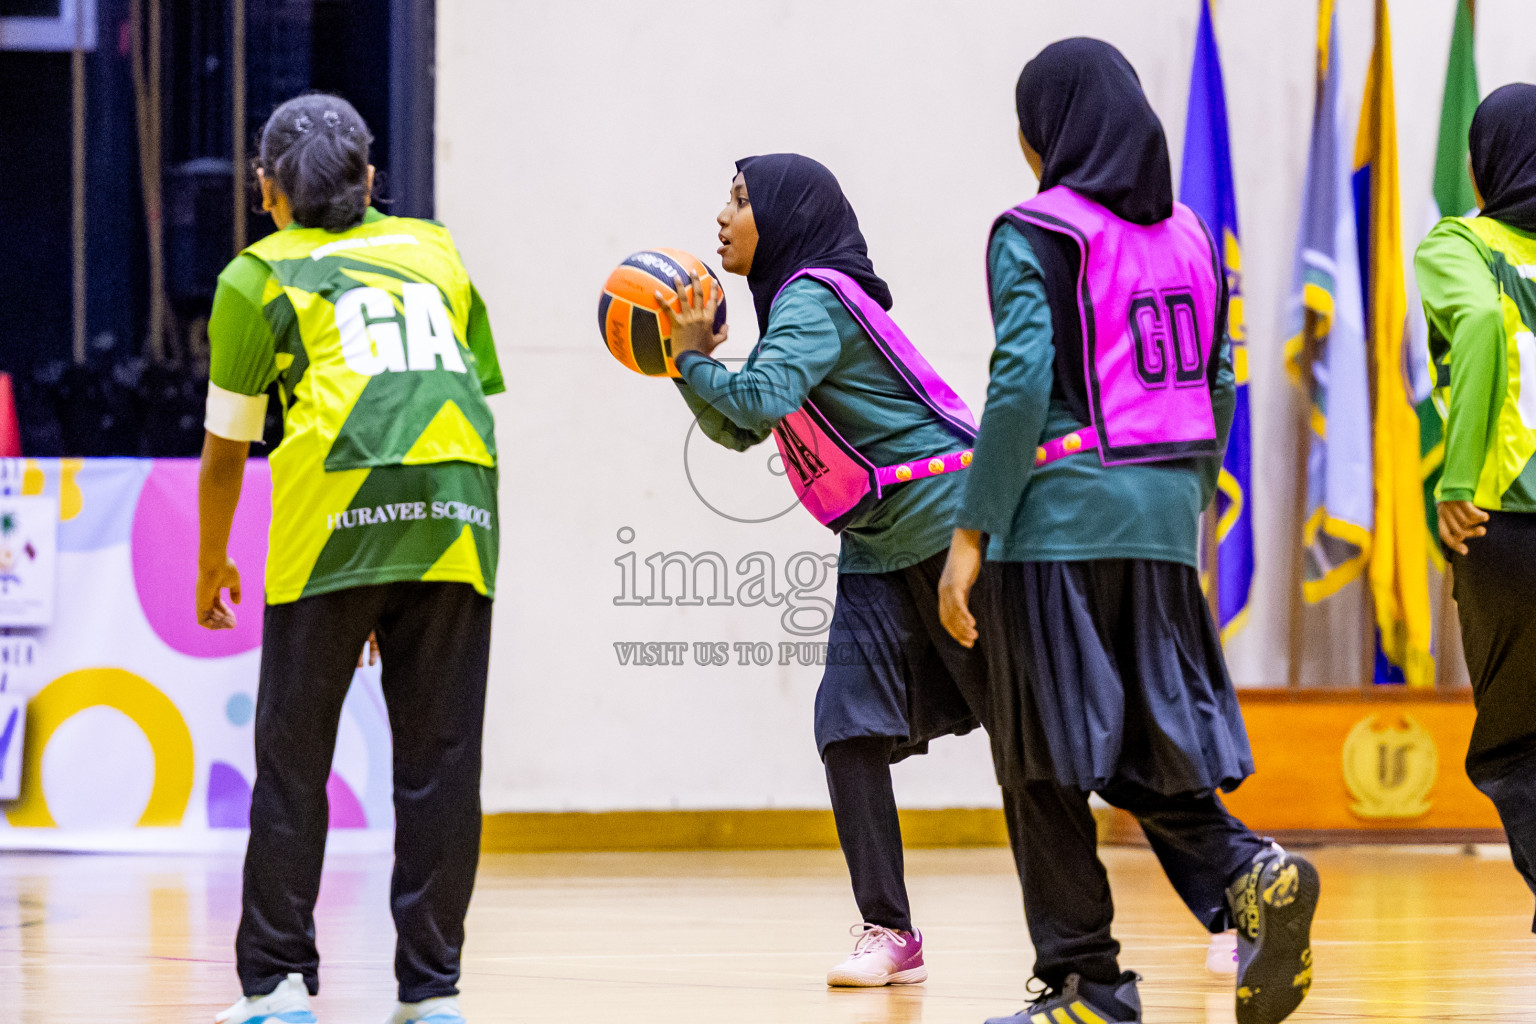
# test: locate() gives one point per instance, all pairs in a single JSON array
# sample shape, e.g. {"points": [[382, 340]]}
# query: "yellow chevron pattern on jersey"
{"points": [[1512, 439], [312, 269], [384, 415], [460, 562], [449, 431]]}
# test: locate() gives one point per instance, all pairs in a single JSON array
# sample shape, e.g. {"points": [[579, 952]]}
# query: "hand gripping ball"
{"points": [[635, 331]]}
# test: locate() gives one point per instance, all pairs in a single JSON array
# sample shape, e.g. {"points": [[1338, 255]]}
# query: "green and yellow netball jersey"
{"points": [[383, 356], [1475, 276]]}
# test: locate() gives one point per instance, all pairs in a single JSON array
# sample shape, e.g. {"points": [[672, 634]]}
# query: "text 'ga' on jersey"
{"points": [[383, 355]]}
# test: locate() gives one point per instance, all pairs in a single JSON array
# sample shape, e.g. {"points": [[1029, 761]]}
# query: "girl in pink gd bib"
{"points": [[1107, 413]]}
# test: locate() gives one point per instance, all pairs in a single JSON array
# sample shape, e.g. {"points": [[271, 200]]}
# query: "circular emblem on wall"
{"points": [[1390, 767]]}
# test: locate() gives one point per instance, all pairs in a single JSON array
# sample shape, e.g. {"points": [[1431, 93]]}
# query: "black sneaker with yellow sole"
{"points": [[1080, 1001], [1272, 904]]}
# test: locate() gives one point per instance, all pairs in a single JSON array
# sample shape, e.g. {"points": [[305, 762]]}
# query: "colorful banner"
{"points": [[1399, 569], [13, 718], [29, 528], [138, 730], [1205, 186], [1327, 347]]}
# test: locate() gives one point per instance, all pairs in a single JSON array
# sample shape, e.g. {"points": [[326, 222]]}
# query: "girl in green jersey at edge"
{"points": [[1474, 277], [383, 533]]}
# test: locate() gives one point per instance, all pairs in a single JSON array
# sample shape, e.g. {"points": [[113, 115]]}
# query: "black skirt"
{"points": [[892, 670], [1109, 671]]}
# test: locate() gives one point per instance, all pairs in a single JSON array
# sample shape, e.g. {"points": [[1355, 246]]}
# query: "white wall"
{"points": [[571, 134]]}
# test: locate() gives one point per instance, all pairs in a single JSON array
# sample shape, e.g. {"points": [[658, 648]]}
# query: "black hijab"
{"points": [[1503, 147], [1081, 108], [803, 220]]}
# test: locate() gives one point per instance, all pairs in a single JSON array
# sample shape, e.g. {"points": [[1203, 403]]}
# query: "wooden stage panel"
{"points": [[1403, 934], [1407, 754]]}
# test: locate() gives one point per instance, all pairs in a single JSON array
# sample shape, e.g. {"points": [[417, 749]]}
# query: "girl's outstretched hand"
{"points": [[691, 307], [960, 571]]}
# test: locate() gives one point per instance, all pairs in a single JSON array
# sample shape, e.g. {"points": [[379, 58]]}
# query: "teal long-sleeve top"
{"points": [[814, 349], [1076, 508]]}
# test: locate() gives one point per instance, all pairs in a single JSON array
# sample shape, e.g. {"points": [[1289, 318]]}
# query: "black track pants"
{"points": [[434, 640]]}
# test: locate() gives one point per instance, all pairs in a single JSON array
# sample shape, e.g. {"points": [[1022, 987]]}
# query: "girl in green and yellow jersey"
{"points": [[384, 531], [1476, 279]]}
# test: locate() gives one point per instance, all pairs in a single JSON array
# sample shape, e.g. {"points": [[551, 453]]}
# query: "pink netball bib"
{"points": [[829, 475], [1147, 296]]}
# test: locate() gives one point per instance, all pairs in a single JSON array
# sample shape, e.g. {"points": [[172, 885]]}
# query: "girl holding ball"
{"points": [[873, 443]]}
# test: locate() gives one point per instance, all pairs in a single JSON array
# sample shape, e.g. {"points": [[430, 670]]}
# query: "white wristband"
{"points": [[233, 416]]}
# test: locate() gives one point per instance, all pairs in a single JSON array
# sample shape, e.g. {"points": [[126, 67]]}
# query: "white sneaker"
{"points": [[288, 1003], [443, 1010], [881, 957], [1221, 955]]}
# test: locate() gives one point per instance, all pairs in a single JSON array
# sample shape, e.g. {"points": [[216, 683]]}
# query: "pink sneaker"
{"points": [[881, 957], [1221, 955]]}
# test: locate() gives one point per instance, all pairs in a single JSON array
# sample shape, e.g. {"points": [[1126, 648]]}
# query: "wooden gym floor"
{"points": [[1403, 934]]}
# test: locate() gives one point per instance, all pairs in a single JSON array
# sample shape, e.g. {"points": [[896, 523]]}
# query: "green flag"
{"points": [[1453, 198], [1453, 185]]}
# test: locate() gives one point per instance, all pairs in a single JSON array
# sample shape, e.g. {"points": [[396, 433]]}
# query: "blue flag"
{"points": [[1205, 186]]}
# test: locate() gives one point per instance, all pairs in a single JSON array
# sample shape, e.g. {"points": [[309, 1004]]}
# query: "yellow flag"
{"points": [[1399, 571]]}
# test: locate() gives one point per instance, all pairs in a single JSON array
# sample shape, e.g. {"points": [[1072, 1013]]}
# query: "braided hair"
{"points": [[315, 148]]}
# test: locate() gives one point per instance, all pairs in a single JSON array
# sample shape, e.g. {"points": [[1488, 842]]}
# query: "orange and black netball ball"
{"points": [[634, 328]]}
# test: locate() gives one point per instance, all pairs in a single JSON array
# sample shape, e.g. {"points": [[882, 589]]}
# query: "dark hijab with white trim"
{"points": [[1081, 108]]}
